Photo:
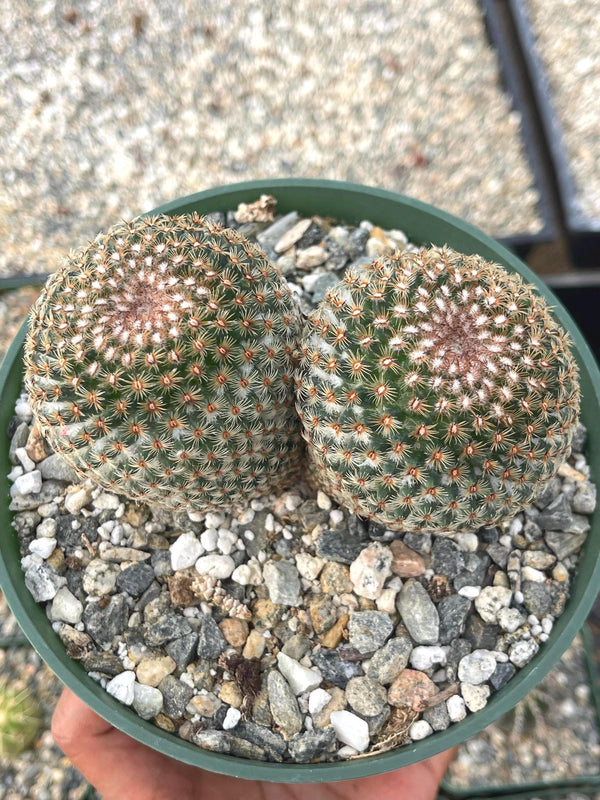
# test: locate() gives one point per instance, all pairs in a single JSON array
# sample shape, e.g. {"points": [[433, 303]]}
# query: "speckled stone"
{"points": [[418, 613]]}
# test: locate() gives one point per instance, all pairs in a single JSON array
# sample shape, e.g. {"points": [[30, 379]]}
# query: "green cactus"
{"points": [[436, 392], [20, 719], [159, 363]]}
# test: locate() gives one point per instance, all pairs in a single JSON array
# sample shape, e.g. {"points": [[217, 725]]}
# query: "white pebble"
{"points": [[246, 516], [195, 516], [336, 516], [292, 502], [75, 501], [216, 566], [249, 574], [350, 729], [214, 519], [323, 501], [209, 539], [532, 574], [547, 625], [424, 657], [470, 592], [346, 751], [28, 483], [23, 409], [226, 541], [317, 700], [420, 730], [309, 566], [301, 679], [231, 719], [121, 687], [26, 462], [15, 472], [519, 597], [185, 551], [66, 607], [467, 541], [457, 710], [43, 547], [270, 523]]}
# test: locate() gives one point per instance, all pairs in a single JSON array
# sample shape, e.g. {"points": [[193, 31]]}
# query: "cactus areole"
{"points": [[436, 391], [159, 363]]}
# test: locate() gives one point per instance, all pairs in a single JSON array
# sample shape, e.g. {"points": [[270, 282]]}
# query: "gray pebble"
{"points": [[135, 579], [211, 641], [217, 741], [167, 627], [448, 558], [502, 674], [283, 582], [579, 438], [42, 581], [418, 613], [453, 611], [366, 696], [176, 696], [340, 546], [262, 736], [476, 667], [557, 516], [147, 700], [564, 544], [333, 668], [183, 650], [283, 704], [312, 745], [103, 624], [437, 717], [55, 466], [322, 284], [368, 630], [537, 597], [390, 660], [521, 652]]}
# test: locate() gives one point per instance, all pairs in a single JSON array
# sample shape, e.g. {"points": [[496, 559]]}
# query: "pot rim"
{"points": [[360, 202]]}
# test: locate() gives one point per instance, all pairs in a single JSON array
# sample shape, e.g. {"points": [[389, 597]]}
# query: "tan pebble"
{"points": [[180, 588], [136, 515], [261, 708], [406, 563], [410, 688], [231, 694], [322, 613], [334, 635], [335, 578], [235, 631], [56, 558], [255, 645], [337, 703], [566, 471], [560, 573], [36, 447], [311, 257], [205, 704], [387, 601], [151, 671], [293, 235], [266, 614], [164, 722]]}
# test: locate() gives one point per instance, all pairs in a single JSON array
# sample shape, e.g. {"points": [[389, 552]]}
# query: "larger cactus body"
{"points": [[436, 391], [159, 363]]}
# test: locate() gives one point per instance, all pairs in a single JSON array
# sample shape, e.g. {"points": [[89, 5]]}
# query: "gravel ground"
{"points": [[550, 735], [567, 34], [107, 110]]}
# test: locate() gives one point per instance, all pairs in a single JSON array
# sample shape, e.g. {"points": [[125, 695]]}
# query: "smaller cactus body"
{"points": [[20, 719], [159, 363], [436, 391]]}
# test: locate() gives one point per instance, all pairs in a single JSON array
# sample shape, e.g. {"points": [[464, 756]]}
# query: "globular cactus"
{"points": [[20, 719], [436, 392], [159, 362]]}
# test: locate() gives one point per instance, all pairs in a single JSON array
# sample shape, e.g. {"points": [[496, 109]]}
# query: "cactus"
{"points": [[158, 362], [20, 719], [436, 392]]}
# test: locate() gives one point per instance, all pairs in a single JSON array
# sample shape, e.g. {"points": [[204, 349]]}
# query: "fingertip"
{"points": [[74, 723]]}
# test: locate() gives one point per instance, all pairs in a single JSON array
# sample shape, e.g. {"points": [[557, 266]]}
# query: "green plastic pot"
{"points": [[423, 224]]}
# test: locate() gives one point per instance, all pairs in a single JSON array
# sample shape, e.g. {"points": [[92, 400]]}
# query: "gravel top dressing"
{"points": [[106, 112], [567, 34], [290, 629]]}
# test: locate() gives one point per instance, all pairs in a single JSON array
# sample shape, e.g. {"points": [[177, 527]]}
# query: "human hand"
{"points": [[122, 769]]}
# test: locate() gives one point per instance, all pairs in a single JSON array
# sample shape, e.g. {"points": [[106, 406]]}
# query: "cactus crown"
{"points": [[436, 391], [159, 363], [20, 719]]}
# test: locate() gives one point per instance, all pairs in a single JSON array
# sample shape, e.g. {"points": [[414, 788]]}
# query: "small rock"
{"points": [[266, 614], [564, 544], [235, 631], [368, 630], [78, 499], [206, 704], [185, 551], [309, 566], [335, 578], [211, 641], [420, 730], [340, 545], [135, 579], [255, 645], [389, 661], [283, 582], [418, 613], [183, 650], [291, 236], [490, 600], [406, 563], [317, 701], [215, 565], [584, 501], [557, 516], [475, 697], [538, 559], [28, 483], [437, 717], [502, 674], [369, 571], [323, 613], [42, 547], [168, 626], [457, 710], [312, 745], [521, 652], [410, 688], [366, 696], [425, 656], [333, 668], [248, 574], [103, 623], [537, 597], [334, 635], [453, 612], [121, 687], [58, 468], [350, 729], [283, 705], [232, 717], [42, 581], [217, 741], [231, 694], [311, 257], [151, 671], [301, 679], [448, 558], [176, 696], [476, 667], [510, 619], [480, 635], [147, 701], [66, 607]]}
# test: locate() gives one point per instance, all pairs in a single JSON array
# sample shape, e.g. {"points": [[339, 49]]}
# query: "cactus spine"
{"points": [[20, 719], [159, 363], [436, 391]]}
